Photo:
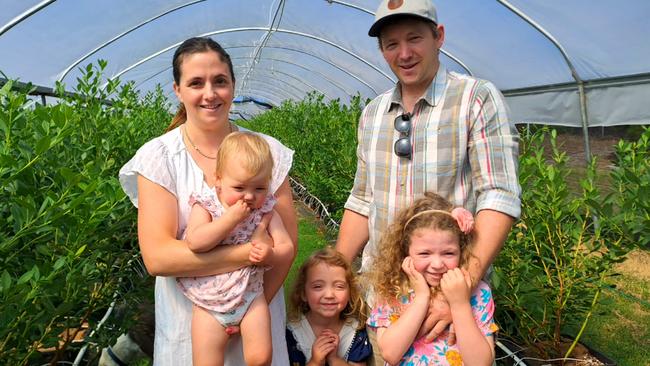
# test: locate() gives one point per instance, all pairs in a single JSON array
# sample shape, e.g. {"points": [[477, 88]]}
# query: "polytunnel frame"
{"points": [[336, 85], [243, 29], [269, 30], [96, 49], [580, 84], [281, 80], [445, 52], [340, 68]]}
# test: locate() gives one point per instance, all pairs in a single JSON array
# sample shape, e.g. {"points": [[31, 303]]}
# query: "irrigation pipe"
{"points": [[628, 296], [82, 351], [518, 361], [314, 203]]}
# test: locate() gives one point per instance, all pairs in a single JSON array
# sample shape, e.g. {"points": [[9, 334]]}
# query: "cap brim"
{"points": [[375, 29]]}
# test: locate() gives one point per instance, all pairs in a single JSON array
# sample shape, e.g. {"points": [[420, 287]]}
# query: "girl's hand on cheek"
{"points": [[416, 279], [456, 285]]}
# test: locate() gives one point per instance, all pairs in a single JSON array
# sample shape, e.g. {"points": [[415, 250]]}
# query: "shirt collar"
{"points": [[431, 96]]}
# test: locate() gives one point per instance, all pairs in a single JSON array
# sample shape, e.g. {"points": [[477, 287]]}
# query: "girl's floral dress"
{"points": [[439, 352]]}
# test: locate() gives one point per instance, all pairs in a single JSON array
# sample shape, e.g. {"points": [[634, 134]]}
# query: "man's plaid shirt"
{"points": [[464, 149]]}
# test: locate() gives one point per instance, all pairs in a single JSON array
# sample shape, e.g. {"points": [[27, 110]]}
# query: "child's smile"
{"points": [[434, 252], [326, 290]]}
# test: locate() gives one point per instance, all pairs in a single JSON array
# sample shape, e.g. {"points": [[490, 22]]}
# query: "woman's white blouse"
{"points": [[166, 161]]}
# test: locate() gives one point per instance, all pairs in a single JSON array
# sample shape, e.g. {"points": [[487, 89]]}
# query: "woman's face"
{"points": [[205, 88]]}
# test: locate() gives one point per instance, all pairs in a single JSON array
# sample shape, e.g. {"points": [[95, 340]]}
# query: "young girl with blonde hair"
{"points": [[327, 314], [421, 257]]}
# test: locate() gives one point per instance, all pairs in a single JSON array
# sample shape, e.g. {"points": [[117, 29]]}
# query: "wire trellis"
{"points": [[315, 204]]}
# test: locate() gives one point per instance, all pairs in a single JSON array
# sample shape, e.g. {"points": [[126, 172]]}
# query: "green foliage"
{"points": [[68, 233], [323, 136], [561, 253], [631, 181]]}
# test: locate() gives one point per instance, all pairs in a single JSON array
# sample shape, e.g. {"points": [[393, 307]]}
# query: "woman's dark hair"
{"points": [[189, 47]]}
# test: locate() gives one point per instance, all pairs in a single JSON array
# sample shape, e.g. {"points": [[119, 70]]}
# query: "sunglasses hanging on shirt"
{"points": [[403, 145]]}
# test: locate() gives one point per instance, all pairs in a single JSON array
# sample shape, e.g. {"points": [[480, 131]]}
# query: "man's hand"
{"points": [[437, 320]]}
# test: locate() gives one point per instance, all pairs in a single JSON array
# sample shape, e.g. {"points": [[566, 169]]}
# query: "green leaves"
{"points": [[560, 254], [324, 137], [631, 179], [67, 232]]}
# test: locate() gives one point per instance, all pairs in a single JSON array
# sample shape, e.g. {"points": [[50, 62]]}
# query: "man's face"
{"points": [[411, 51]]}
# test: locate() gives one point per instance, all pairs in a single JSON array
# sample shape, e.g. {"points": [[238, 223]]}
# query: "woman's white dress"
{"points": [[166, 161]]}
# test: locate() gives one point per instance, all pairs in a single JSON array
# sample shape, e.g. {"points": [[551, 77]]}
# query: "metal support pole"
{"points": [[585, 122]]}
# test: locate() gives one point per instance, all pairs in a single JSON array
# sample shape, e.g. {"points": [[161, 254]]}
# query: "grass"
{"points": [[621, 328], [311, 237]]}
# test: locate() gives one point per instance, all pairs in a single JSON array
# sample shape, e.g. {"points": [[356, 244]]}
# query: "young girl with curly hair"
{"points": [[327, 314], [421, 257]]}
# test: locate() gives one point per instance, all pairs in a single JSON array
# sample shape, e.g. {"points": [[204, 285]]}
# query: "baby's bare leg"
{"points": [[209, 339], [256, 333]]}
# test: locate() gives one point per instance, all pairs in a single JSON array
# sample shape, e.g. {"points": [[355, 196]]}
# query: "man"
{"points": [[434, 131]]}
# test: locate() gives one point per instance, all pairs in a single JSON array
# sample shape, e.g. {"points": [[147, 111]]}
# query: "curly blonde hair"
{"points": [[356, 307], [386, 276]]}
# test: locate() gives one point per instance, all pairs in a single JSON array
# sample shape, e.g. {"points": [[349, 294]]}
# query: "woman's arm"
{"points": [[274, 278], [284, 207], [283, 255], [163, 254]]}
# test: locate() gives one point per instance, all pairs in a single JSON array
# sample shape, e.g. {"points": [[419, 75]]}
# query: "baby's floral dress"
{"points": [[438, 352]]}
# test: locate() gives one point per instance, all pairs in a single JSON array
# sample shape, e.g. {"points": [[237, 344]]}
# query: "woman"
{"points": [[159, 179]]}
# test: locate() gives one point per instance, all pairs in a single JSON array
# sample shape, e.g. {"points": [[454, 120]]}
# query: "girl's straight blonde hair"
{"points": [[250, 148]]}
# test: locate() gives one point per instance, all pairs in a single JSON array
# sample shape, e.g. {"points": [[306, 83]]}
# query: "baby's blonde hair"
{"points": [[356, 307], [252, 150], [386, 276]]}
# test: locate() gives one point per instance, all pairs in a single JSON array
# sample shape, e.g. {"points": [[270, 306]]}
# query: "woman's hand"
{"points": [[416, 279], [261, 234], [456, 285]]}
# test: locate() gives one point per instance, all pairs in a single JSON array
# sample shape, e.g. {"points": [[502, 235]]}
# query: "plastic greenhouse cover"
{"points": [[283, 49]]}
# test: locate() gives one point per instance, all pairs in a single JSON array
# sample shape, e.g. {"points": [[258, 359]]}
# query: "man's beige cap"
{"points": [[390, 9]]}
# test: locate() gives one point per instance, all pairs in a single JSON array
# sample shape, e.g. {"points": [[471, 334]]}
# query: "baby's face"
{"points": [[236, 183], [434, 252]]}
